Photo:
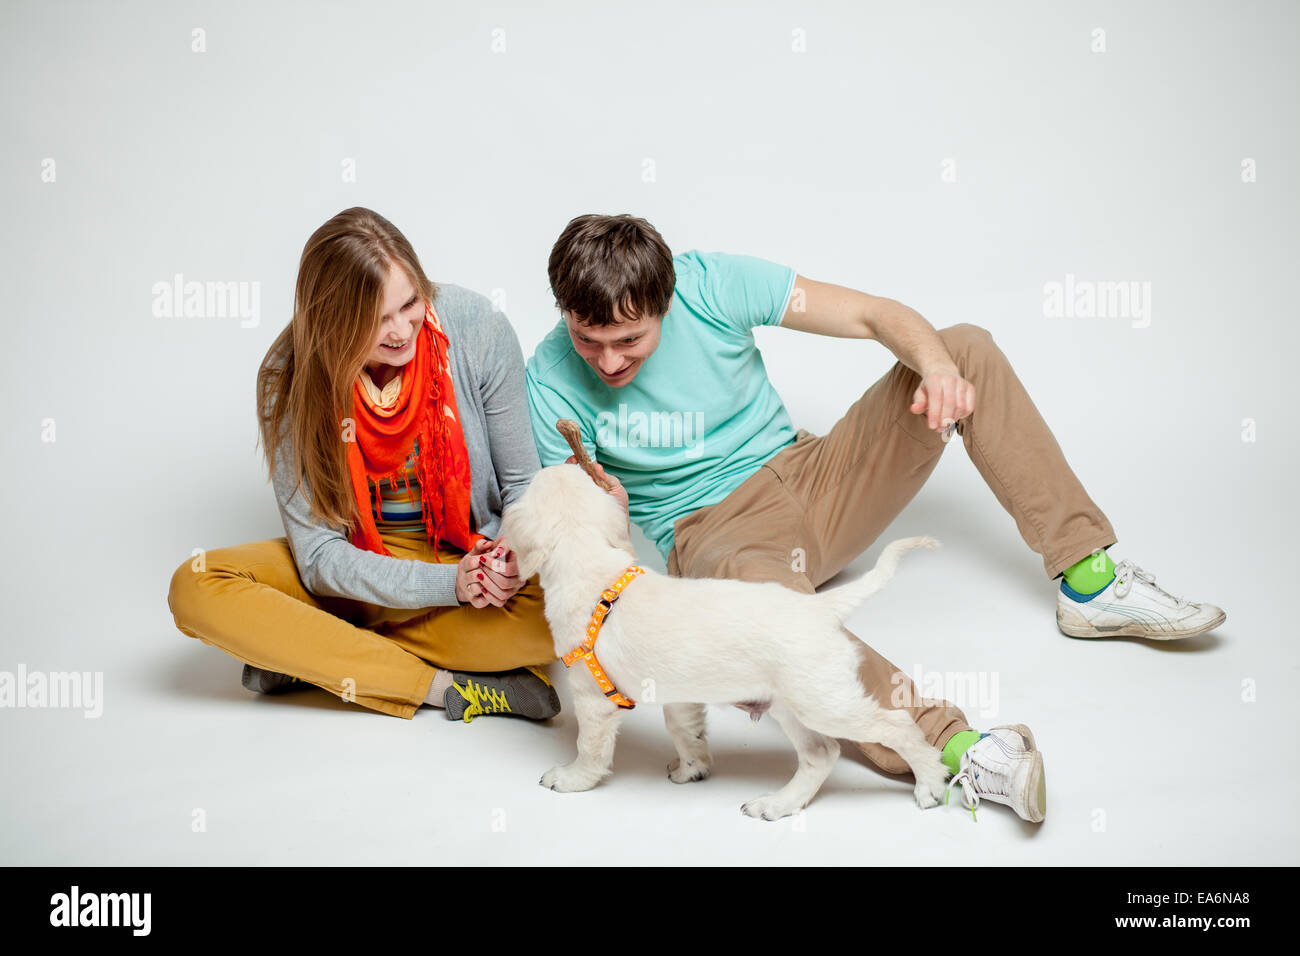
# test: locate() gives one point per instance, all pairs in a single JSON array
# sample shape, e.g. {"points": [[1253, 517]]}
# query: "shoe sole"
{"points": [[1037, 783], [1136, 630]]}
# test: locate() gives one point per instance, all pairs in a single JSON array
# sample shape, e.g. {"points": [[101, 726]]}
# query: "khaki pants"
{"points": [[818, 504], [250, 602]]}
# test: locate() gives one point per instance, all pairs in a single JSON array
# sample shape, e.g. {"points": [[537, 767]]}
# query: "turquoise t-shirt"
{"points": [[699, 418]]}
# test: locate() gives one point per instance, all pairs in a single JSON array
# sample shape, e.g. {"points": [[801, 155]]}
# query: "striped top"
{"points": [[396, 512]]}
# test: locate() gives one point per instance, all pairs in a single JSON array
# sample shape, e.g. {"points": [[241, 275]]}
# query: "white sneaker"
{"points": [[1004, 766], [1133, 606]]}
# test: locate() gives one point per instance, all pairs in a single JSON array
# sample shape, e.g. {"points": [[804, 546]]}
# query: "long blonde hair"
{"points": [[306, 380]]}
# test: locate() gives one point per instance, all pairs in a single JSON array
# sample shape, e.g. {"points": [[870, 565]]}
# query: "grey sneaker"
{"points": [[269, 682], [522, 693]]}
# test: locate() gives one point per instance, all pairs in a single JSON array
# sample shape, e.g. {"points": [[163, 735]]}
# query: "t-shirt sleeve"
{"points": [[745, 291], [546, 406]]}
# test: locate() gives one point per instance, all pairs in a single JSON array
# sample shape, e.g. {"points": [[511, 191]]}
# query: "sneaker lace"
{"points": [[989, 781], [482, 699], [1125, 574]]}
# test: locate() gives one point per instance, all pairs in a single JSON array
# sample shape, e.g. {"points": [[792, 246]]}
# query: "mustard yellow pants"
{"points": [[249, 601]]}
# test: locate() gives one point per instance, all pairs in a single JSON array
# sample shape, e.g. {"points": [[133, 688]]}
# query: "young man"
{"points": [[655, 358]]}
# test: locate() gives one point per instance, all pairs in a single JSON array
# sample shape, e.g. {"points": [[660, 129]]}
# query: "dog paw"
{"points": [[928, 794], [770, 806], [568, 779], [690, 771]]}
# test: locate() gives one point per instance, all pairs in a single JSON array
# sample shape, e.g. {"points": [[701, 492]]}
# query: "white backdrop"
{"points": [[958, 157]]}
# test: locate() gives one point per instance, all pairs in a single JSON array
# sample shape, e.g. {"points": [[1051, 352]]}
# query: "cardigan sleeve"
{"points": [[505, 405], [332, 566]]}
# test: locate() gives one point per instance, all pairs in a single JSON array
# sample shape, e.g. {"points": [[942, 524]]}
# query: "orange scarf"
{"points": [[384, 439]]}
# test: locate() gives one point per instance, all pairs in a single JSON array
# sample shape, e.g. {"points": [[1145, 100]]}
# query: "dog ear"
{"points": [[530, 534], [605, 518], [618, 531]]}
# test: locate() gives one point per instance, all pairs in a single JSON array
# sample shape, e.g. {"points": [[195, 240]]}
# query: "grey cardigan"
{"points": [[487, 371]]}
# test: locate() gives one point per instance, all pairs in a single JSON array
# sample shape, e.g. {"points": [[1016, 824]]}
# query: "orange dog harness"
{"points": [[584, 651]]}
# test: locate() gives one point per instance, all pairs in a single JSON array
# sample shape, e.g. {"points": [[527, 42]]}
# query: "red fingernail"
{"points": [[480, 575], [480, 559]]}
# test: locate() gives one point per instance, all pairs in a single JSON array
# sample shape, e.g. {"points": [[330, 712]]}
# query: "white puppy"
{"points": [[687, 642]]}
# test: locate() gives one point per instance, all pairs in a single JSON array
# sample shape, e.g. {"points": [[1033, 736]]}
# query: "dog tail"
{"points": [[842, 600]]}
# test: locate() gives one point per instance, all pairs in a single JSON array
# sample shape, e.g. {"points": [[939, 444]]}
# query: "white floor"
{"points": [[148, 144], [1152, 755]]}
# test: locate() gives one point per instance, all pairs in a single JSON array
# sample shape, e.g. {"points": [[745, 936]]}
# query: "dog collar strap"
{"points": [[585, 651]]}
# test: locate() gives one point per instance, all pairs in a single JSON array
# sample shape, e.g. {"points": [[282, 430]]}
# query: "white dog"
{"points": [[687, 642]]}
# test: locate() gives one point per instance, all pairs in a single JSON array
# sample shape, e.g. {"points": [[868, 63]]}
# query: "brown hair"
{"points": [[305, 382], [600, 262]]}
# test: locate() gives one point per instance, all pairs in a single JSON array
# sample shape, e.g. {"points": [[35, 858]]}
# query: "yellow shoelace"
{"points": [[482, 700]]}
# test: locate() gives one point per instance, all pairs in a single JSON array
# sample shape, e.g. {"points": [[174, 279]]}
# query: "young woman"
{"points": [[396, 429]]}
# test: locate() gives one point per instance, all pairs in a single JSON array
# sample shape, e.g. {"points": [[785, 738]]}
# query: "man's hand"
{"points": [[944, 397], [488, 575], [615, 486]]}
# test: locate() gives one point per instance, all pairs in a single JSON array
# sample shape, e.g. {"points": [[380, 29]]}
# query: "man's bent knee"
{"points": [[965, 335]]}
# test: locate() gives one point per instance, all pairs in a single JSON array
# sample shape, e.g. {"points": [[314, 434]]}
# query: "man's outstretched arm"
{"points": [[825, 309]]}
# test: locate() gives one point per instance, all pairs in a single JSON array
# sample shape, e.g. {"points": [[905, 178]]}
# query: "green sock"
{"points": [[1090, 574], [957, 745]]}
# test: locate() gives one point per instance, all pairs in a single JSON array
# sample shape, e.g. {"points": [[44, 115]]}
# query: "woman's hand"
{"points": [[944, 397], [615, 486], [488, 575]]}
